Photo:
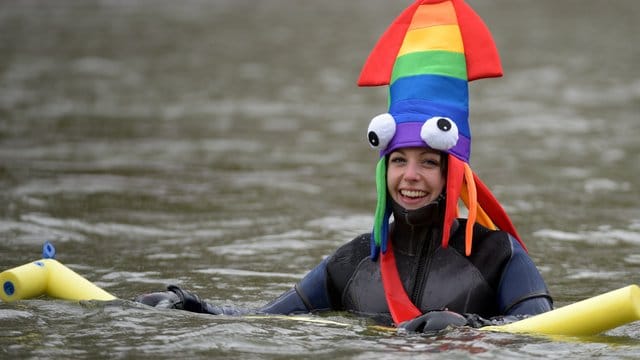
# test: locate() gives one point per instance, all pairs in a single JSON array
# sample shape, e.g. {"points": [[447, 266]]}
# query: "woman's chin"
{"points": [[413, 203]]}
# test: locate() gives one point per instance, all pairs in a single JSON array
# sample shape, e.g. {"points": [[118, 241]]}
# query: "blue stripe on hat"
{"points": [[434, 88], [421, 110]]}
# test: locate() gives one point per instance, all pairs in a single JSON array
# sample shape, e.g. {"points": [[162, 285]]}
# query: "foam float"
{"points": [[48, 277]]}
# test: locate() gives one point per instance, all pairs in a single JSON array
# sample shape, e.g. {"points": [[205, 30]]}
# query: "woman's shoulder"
{"points": [[344, 262], [484, 239], [491, 250], [351, 253], [358, 247]]}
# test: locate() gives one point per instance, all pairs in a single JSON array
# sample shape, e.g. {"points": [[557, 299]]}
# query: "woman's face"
{"points": [[414, 177]]}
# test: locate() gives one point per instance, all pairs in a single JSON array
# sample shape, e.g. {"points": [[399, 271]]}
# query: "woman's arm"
{"points": [[309, 295], [522, 290]]}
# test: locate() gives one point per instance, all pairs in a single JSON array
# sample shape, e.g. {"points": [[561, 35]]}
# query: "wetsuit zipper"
{"points": [[424, 263]]}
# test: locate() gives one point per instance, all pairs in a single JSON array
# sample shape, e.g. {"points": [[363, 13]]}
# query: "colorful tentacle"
{"points": [[482, 218], [400, 306], [495, 210], [382, 214], [472, 207], [483, 207], [455, 175]]}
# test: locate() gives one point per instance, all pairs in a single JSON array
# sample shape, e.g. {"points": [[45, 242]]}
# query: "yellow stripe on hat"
{"points": [[441, 37], [428, 15]]}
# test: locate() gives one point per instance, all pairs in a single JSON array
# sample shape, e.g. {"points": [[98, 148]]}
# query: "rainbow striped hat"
{"points": [[427, 57]]}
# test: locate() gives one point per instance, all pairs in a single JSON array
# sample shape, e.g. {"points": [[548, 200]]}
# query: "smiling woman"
{"points": [[402, 272], [217, 145]]}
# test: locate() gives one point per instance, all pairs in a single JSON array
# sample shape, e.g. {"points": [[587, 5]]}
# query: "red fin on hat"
{"points": [[480, 50], [495, 211], [379, 65]]}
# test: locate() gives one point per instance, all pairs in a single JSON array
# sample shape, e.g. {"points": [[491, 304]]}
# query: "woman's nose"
{"points": [[411, 172]]}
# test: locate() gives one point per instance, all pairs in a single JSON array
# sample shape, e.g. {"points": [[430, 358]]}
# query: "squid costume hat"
{"points": [[427, 57]]}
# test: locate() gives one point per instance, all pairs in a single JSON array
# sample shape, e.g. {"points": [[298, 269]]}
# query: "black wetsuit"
{"points": [[499, 278]]}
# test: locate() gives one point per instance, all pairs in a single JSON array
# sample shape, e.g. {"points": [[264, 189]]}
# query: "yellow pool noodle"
{"points": [[48, 277], [583, 318]]}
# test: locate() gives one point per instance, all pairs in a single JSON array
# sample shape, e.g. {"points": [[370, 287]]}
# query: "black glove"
{"points": [[174, 298], [433, 321]]}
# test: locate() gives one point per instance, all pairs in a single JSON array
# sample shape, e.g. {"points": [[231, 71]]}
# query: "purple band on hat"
{"points": [[462, 149], [408, 135]]}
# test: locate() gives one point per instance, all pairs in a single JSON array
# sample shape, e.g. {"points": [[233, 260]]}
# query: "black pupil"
{"points": [[373, 138], [444, 124]]}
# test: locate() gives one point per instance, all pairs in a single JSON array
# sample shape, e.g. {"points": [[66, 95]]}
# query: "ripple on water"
{"points": [[11, 314], [585, 274], [632, 259], [359, 223], [249, 273], [289, 240], [604, 235], [35, 233], [603, 185], [50, 224]]}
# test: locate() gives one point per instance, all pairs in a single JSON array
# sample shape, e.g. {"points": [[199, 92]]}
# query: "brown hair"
{"points": [[444, 163]]}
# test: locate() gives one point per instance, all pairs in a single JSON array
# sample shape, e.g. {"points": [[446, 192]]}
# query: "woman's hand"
{"points": [[174, 298], [433, 321]]}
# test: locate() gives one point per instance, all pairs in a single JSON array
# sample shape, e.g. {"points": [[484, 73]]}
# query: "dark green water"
{"points": [[220, 145]]}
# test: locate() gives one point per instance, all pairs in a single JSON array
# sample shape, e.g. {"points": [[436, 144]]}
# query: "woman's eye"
{"points": [[440, 133], [381, 130], [432, 164], [398, 160]]}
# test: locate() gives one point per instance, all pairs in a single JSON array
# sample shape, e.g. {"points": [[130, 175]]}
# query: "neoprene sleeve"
{"points": [[522, 291]]}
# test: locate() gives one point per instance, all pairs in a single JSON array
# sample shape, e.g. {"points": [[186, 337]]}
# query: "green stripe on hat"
{"points": [[433, 62]]}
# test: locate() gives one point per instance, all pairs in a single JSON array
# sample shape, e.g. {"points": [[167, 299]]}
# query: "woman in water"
{"points": [[497, 279], [422, 268]]}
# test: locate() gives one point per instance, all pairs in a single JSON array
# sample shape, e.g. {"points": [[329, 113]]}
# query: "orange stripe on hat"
{"points": [[434, 14]]}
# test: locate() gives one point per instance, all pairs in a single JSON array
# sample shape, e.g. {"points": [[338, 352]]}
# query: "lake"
{"points": [[220, 146]]}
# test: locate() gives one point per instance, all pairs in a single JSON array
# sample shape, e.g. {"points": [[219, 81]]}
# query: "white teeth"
{"points": [[413, 193]]}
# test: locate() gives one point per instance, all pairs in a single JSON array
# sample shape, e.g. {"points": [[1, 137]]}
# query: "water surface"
{"points": [[219, 145]]}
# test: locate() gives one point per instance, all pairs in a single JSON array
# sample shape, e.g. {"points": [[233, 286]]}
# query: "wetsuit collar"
{"points": [[428, 215], [412, 227]]}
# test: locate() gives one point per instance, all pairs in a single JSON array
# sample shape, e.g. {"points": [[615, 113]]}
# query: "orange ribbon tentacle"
{"points": [[482, 217], [455, 175], [473, 208]]}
